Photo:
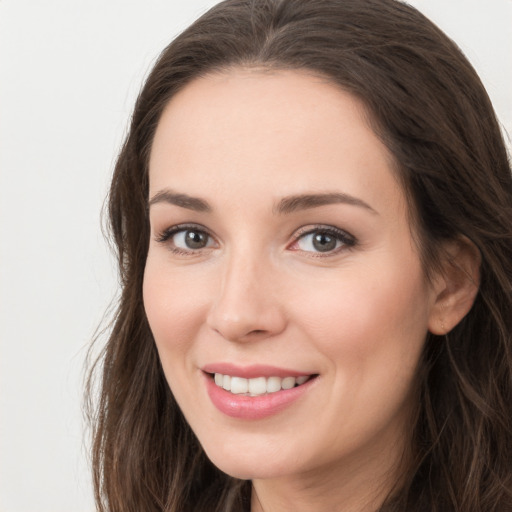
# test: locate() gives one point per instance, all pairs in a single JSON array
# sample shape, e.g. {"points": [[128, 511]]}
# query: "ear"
{"points": [[455, 286]]}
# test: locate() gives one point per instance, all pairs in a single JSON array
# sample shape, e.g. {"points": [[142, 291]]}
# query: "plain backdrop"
{"points": [[69, 74]]}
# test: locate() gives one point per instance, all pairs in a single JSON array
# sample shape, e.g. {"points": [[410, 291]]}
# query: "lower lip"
{"points": [[254, 407]]}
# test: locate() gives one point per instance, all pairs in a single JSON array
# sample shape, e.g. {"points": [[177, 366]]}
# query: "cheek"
{"points": [[360, 303], [371, 328], [174, 306], [372, 334]]}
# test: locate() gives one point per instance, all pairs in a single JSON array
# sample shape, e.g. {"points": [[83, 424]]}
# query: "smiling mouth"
{"points": [[258, 386]]}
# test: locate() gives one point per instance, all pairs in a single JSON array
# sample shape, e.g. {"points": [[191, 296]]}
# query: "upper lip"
{"points": [[252, 371]]}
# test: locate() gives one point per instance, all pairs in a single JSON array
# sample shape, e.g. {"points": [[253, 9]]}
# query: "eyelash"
{"points": [[165, 237], [347, 240]]}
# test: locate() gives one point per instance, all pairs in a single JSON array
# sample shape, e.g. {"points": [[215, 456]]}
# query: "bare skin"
{"points": [[280, 236]]}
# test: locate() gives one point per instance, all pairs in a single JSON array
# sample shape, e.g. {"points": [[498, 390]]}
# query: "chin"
{"points": [[248, 470], [256, 463]]}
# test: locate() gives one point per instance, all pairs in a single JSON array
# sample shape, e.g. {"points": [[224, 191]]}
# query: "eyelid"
{"points": [[166, 234], [348, 240]]}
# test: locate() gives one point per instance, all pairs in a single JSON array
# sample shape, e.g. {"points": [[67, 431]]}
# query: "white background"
{"points": [[69, 73]]}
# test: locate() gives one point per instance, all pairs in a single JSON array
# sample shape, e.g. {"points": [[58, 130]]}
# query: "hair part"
{"points": [[429, 108]]}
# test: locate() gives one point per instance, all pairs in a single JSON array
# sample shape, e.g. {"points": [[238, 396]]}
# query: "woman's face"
{"points": [[281, 248]]}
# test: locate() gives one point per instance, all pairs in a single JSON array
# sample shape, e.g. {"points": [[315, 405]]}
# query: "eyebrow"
{"points": [[183, 200], [286, 205], [306, 201]]}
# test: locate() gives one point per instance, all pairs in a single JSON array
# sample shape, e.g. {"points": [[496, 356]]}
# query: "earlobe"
{"points": [[456, 286]]}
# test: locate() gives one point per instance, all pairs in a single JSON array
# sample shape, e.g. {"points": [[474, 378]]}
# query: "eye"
{"points": [[191, 239], [323, 240], [185, 239]]}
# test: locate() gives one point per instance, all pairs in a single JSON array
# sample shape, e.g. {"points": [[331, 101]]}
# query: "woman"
{"points": [[313, 217]]}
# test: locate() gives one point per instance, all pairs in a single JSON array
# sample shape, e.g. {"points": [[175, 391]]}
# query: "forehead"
{"points": [[272, 133]]}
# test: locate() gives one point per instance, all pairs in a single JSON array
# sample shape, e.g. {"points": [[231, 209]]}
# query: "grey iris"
{"points": [[195, 239], [324, 242]]}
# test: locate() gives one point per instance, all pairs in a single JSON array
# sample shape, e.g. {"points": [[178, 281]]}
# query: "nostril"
{"points": [[238, 320]]}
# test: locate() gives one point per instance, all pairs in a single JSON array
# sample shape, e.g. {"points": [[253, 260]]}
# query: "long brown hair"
{"points": [[428, 106]]}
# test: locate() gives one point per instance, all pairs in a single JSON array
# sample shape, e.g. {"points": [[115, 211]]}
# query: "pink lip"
{"points": [[252, 371], [253, 407]]}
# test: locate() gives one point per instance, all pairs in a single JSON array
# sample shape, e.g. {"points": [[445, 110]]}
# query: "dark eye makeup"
{"points": [[185, 238], [320, 240]]}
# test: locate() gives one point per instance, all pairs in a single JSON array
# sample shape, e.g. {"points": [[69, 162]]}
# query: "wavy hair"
{"points": [[428, 106]]}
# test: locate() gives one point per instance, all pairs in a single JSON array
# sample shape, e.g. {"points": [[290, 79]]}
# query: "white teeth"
{"points": [[273, 384], [257, 386], [288, 383], [226, 382], [239, 385]]}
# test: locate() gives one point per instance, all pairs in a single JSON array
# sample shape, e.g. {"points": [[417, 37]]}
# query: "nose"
{"points": [[245, 306]]}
